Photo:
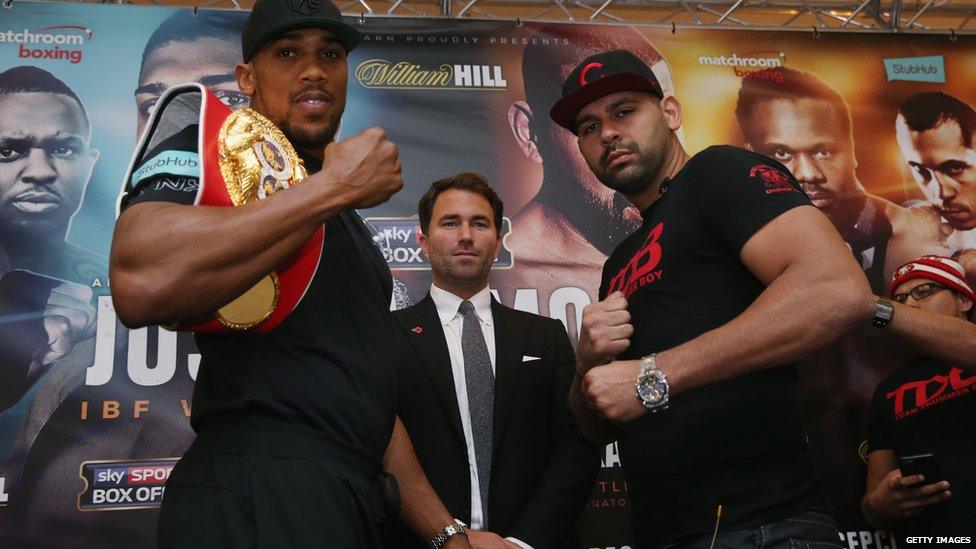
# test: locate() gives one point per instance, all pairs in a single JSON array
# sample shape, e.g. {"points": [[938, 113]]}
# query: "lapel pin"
{"points": [[417, 330]]}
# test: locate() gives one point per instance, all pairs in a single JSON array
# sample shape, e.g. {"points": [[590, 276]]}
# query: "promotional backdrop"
{"points": [[93, 415]]}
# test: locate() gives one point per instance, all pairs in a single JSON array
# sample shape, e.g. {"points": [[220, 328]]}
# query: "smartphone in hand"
{"points": [[921, 464]]}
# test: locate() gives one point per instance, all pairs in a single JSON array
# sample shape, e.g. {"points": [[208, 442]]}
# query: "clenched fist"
{"points": [[68, 319], [610, 390], [605, 332], [364, 168]]}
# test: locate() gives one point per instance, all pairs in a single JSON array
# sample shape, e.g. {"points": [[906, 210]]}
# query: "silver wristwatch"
{"points": [[453, 529], [652, 385], [884, 311]]}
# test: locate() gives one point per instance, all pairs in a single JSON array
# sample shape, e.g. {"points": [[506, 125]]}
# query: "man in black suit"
{"points": [[483, 393]]}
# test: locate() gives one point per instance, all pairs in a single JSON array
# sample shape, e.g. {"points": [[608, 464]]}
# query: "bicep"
{"points": [[139, 219], [799, 237]]}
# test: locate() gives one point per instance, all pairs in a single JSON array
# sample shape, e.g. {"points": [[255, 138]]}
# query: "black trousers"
{"points": [[252, 482]]}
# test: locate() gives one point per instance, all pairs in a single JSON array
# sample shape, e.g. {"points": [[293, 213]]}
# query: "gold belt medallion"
{"points": [[256, 160]]}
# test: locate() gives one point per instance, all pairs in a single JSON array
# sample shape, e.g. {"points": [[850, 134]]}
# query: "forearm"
{"points": [[874, 514], [174, 262], [594, 428], [799, 311], [946, 337], [421, 509]]}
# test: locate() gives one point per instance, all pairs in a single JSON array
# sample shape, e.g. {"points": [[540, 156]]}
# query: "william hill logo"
{"points": [[383, 74]]}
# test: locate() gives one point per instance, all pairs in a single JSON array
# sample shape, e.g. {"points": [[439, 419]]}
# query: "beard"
{"points": [[305, 138], [635, 178]]}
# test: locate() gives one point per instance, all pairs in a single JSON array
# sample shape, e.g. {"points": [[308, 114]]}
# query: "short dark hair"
{"points": [[29, 79], [465, 181], [789, 84], [189, 25], [926, 110]]}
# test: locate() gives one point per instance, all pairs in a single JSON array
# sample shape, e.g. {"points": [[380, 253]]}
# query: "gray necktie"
{"points": [[480, 382]]}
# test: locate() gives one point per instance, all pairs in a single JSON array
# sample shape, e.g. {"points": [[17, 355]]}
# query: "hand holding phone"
{"points": [[921, 464]]}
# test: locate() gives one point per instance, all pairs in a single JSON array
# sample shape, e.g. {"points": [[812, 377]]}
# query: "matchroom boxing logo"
{"points": [[57, 43], [755, 63], [383, 74]]}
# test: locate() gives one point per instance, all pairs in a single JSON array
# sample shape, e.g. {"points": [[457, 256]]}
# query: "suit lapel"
{"points": [[509, 334], [427, 336]]}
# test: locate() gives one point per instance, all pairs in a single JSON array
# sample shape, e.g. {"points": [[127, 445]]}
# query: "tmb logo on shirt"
{"points": [[773, 180], [60, 42], [639, 271], [930, 392], [383, 74]]}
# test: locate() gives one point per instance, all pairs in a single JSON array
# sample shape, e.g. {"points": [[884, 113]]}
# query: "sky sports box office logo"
{"points": [[57, 43], [397, 239], [384, 74], [114, 485]]}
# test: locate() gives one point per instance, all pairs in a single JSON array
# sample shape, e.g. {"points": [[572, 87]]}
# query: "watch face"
{"points": [[652, 388]]}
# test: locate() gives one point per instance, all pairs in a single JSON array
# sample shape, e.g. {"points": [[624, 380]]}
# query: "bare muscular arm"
{"points": [[172, 262]]}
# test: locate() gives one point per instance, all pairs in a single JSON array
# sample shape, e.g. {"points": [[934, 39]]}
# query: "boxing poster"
{"points": [[94, 415]]}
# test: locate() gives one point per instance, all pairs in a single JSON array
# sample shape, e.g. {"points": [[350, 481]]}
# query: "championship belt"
{"points": [[244, 158]]}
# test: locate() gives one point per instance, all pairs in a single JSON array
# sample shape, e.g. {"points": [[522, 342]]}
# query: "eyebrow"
{"points": [[952, 163], [615, 105], [153, 88], [32, 141], [210, 80]]}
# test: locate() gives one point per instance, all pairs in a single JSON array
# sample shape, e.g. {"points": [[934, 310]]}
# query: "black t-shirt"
{"points": [[738, 442], [929, 406], [326, 366]]}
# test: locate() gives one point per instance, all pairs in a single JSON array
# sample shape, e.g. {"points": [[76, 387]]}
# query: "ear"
{"points": [[93, 155], [520, 120], [966, 304], [245, 79], [672, 112], [422, 240]]}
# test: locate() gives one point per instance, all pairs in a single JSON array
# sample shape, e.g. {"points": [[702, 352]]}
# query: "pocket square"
{"points": [[526, 358]]}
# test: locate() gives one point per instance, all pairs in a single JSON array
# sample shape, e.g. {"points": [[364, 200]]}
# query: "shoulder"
{"points": [[533, 320], [420, 308], [727, 161]]}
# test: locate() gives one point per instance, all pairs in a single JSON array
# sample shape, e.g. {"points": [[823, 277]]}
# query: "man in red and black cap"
{"points": [[221, 232], [926, 407], [687, 360]]}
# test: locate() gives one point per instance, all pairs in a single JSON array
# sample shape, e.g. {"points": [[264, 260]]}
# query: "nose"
{"points": [[609, 134], [947, 186], [464, 233], [39, 169], [806, 170], [314, 71]]}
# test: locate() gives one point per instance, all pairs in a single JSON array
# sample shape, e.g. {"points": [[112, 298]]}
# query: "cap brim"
{"points": [[565, 110], [348, 36]]}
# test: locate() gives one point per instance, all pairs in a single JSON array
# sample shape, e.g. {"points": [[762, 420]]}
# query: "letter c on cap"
{"points": [[582, 78]]}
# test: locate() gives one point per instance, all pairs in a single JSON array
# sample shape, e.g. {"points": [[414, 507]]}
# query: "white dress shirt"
{"points": [[452, 322]]}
